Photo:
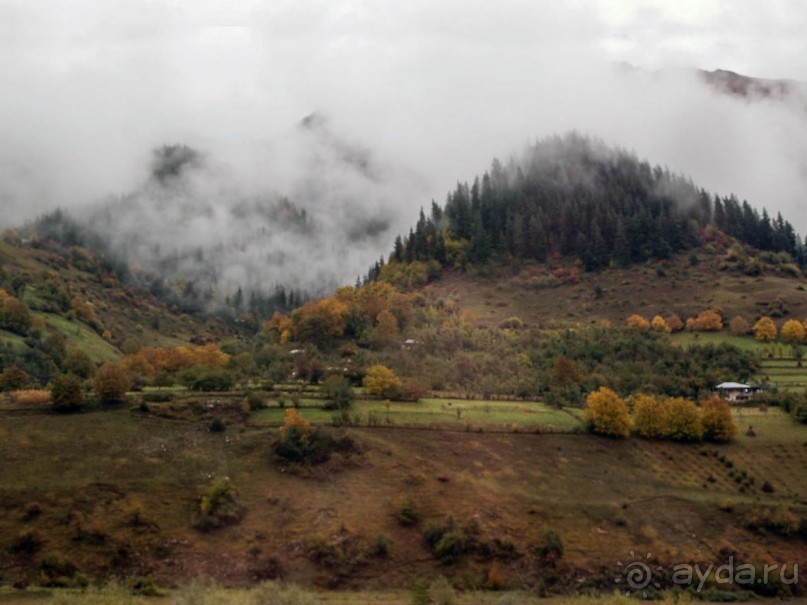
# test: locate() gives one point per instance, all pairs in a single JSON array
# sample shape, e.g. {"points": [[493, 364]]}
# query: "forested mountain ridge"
{"points": [[574, 197]]}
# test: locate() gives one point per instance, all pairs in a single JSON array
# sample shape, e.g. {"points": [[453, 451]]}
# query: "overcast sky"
{"points": [[435, 88]]}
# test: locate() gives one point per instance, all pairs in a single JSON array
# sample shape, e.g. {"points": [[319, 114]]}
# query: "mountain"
{"points": [[573, 197], [756, 89], [302, 222]]}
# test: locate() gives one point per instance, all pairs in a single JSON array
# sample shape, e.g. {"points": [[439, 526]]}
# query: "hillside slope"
{"points": [[543, 295], [73, 292]]}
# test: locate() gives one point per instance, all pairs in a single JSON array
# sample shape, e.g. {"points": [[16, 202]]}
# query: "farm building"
{"points": [[736, 392]]}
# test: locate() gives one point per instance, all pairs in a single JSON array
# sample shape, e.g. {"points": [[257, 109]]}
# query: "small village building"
{"points": [[736, 392]]}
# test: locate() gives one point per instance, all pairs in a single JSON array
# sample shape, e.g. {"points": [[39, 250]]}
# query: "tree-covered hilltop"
{"points": [[574, 197]]}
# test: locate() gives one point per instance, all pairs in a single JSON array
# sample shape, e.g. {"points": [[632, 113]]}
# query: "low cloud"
{"points": [[409, 99]]}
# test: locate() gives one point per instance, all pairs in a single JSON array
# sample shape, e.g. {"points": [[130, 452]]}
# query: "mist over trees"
{"points": [[573, 196]]}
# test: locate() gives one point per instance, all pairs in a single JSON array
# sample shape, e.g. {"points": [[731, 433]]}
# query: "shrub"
{"points": [[607, 414], [27, 542], [217, 506], [256, 400], [299, 443], [511, 323], [446, 540], [339, 393], [408, 512], [67, 393], [381, 546], [205, 378], [550, 545], [14, 378]]}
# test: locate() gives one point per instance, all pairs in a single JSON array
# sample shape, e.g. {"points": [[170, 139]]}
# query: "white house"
{"points": [[736, 392]]}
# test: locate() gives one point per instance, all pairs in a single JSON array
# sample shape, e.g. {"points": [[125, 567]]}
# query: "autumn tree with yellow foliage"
{"points": [[682, 420], [606, 414], [660, 325], [718, 425], [380, 381], [793, 331], [765, 329], [648, 416]]}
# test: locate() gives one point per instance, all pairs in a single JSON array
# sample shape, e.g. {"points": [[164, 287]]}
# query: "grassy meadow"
{"points": [[115, 492]]}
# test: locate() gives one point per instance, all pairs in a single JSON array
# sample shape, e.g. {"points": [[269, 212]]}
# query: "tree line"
{"points": [[573, 196]]}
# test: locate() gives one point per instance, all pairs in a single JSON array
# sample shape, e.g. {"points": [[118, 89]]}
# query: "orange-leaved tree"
{"points": [[320, 321], [708, 321], [607, 414], [638, 322], [718, 425], [765, 329]]}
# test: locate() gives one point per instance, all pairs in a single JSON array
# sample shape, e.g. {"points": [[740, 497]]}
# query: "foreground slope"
{"points": [[115, 493]]}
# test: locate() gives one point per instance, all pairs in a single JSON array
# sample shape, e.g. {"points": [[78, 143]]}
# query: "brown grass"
{"points": [[30, 397]]}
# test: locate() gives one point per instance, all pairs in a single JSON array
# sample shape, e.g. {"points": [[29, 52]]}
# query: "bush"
{"points": [[14, 378], [205, 378], [550, 546], [27, 542], [111, 383], [67, 393], [381, 546], [446, 541], [338, 392], [217, 506], [256, 400], [408, 512], [301, 444]]}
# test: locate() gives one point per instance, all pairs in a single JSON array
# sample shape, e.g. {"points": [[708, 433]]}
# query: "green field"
{"points": [[81, 336], [446, 413]]}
